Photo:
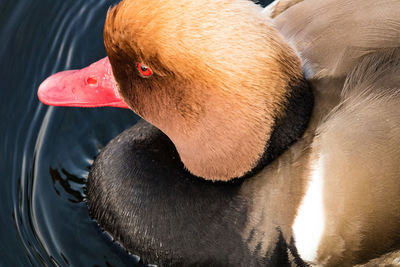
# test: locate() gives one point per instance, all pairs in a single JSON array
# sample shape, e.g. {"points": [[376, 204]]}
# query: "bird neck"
{"points": [[291, 126]]}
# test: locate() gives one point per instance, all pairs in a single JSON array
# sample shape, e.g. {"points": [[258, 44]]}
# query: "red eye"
{"points": [[144, 70]]}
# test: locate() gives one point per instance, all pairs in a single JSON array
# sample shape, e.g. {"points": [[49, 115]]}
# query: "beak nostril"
{"points": [[91, 81]]}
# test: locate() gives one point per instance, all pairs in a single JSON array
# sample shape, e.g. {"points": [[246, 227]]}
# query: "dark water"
{"points": [[46, 152]]}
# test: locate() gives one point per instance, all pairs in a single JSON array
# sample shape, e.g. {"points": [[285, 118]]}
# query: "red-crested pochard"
{"points": [[271, 137]]}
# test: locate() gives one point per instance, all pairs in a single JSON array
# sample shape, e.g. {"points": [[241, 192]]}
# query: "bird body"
{"points": [[295, 108]]}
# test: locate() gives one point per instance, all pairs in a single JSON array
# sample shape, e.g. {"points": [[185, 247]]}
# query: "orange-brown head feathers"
{"points": [[221, 77]]}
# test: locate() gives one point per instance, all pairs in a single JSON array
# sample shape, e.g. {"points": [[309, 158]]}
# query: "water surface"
{"points": [[46, 152]]}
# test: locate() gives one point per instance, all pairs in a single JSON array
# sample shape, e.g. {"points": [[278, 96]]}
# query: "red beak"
{"points": [[93, 86]]}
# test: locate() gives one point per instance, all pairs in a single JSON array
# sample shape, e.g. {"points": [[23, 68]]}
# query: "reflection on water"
{"points": [[67, 181], [46, 152]]}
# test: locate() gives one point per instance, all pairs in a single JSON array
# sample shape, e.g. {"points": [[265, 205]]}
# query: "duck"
{"points": [[270, 137]]}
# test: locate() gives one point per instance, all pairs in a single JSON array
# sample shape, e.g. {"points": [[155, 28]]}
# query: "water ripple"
{"points": [[48, 151]]}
